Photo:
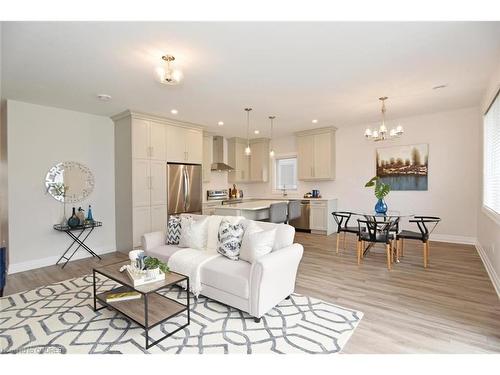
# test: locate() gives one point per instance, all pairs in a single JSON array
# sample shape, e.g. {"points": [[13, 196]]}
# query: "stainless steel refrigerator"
{"points": [[184, 188]]}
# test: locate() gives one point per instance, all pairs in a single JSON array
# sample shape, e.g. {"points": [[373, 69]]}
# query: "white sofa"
{"points": [[251, 287]]}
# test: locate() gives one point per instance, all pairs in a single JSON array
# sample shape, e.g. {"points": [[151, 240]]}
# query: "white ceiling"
{"points": [[332, 71]]}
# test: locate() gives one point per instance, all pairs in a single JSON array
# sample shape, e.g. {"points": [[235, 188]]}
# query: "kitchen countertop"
{"points": [[251, 205], [245, 200]]}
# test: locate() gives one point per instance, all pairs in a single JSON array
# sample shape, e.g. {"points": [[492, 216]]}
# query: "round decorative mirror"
{"points": [[69, 182]]}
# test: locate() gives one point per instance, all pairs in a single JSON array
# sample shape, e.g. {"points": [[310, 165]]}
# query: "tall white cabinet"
{"points": [[316, 154], [143, 146]]}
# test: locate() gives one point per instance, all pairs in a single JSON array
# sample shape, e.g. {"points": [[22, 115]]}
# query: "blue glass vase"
{"points": [[381, 207]]}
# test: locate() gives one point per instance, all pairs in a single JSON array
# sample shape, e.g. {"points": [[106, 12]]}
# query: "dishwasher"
{"points": [[302, 222]]}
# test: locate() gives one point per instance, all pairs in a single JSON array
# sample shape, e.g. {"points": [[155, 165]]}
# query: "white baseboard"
{"points": [[50, 261], [453, 239], [495, 280]]}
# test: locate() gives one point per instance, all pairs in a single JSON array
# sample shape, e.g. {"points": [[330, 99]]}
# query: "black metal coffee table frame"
{"points": [[146, 326], [76, 239]]}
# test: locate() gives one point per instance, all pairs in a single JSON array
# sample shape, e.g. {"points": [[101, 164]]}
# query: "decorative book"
{"points": [[140, 277], [122, 296]]}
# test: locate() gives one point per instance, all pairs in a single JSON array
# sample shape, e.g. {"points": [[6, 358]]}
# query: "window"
{"points": [[491, 172], [286, 173]]}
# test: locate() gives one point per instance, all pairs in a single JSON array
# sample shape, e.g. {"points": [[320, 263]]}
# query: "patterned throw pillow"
{"points": [[173, 230], [229, 239]]}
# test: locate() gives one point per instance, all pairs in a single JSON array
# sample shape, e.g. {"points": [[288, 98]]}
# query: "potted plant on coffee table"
{"points": [[153, 267]]}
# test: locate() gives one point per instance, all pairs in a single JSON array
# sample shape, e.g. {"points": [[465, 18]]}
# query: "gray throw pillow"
{"points": [[229, 239], [173, 230]]}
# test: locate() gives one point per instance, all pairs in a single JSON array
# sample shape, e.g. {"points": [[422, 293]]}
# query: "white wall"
{"points": [[38, 138], [488, 228], [453, 171]]}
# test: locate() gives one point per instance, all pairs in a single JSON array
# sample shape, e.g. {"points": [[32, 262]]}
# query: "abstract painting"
{"points": [[404, 167]]}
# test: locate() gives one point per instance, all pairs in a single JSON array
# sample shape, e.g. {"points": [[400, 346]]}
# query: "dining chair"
{"points": [[423, 224], [373, 231], [293, 210], [278, 212], [342, 219]]}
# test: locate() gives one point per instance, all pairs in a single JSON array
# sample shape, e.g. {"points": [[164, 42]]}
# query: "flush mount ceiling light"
{"points": [[314, 121], [248, 151], [104, 97], [381, 134], [271, 153], [256, 131], [220, 123], [174, 111], [167, 73]]}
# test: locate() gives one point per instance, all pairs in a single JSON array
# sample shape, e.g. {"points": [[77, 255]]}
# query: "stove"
{"points": [[221, 196]]}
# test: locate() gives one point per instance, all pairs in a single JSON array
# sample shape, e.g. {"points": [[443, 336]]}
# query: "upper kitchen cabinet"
{"points": [[148, 140], [208, 151], [237, 159], [184, 145], [253, 168], [316, 154], [259, 160]]}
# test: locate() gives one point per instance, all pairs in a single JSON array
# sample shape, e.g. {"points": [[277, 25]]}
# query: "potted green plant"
{"points": [[381, 191], [154, 265]]}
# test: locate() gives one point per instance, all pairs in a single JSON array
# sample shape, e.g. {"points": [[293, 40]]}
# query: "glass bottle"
{"points": [[90, 218], [73, 221]]}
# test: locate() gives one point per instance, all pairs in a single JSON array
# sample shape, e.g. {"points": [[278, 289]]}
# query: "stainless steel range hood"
{"points": [[218, 156]]}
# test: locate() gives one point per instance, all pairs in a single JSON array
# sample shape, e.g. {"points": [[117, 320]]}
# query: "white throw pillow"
{"points": [[256, 242], [193, 233], [213, 229], [230, 236]]}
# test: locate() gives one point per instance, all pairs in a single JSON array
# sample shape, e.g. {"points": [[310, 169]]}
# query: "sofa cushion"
{"points": [[227, 275], [213, 228], [230, 236], [163, 252], [173, 230], [193, 233], [256, 242], [284, 233]]}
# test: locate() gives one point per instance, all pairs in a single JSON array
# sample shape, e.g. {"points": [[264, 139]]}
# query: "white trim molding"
{"points": [[453, 239], [495, 280], [50, 261]]}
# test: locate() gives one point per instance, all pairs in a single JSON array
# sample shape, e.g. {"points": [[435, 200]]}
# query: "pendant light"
{"points": [[271, 153], [381, 133], [248, 151]]}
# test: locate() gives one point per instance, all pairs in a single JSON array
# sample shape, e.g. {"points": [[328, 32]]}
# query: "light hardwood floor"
{"points": [[451, 307]]}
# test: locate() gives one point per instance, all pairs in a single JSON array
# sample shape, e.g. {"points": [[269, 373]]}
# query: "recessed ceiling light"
{"points": [[104, 97], [314, 121], [256, 132], [220, 123], [174, 111], [437, 87]]}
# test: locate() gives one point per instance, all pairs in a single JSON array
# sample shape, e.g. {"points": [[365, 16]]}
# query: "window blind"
{"points": [[491, 141], [286, 173]]}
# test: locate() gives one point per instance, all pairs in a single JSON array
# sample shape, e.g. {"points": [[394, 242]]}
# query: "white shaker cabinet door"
{"points": [[159, 218], [140, 139], [317, 216], [176, 144], [141, 223], [158, 141], [322, 156], [141, 180], [194, 146], [305, 157], [158, 179]]}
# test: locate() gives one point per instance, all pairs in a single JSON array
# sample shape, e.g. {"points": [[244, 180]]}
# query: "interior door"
{"points": [[175, 188], [193, 194]]}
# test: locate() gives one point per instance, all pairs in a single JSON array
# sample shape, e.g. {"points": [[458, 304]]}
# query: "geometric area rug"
{"points": [[59, 318]]}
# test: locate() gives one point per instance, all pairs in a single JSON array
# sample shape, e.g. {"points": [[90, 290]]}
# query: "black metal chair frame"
{"points": [[422, 223], [342, 219], [374, 231]]}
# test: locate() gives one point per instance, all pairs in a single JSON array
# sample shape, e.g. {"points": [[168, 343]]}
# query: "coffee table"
{"points": [[149, 310]]}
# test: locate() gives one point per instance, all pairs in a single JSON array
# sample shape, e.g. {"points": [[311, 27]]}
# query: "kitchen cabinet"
{"points": [[316, 154], [317, 218], [253, 168], [208, 151], [208, 208], [143, 146], [184, 145]]}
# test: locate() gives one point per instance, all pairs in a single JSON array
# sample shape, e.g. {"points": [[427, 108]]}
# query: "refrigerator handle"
{"points": [[188, 188], [185, 187]]}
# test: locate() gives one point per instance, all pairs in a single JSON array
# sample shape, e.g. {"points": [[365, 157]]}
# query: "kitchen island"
{"points": [[252, 210]]}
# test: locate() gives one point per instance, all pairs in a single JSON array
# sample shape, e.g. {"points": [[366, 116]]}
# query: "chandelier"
{"points": [[168, 74], [381, 133]]}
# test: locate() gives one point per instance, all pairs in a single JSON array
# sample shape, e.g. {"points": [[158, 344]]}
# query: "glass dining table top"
{"points": [[388, 214]]}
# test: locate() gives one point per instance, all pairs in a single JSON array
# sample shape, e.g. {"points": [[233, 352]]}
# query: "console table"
{"points": [[78, 239]]}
